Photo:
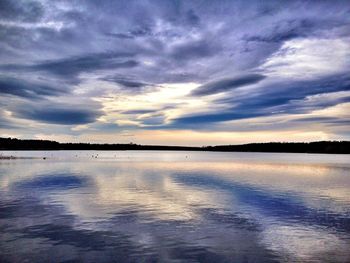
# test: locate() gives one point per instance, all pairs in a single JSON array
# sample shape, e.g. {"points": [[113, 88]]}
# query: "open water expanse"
{"points": [[163, 206]]}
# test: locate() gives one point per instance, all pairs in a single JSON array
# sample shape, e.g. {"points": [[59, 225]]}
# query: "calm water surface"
{"points": [[145, 206]]}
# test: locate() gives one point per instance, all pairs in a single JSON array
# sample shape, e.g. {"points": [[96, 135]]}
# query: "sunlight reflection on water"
{"points": [[174, 206]]}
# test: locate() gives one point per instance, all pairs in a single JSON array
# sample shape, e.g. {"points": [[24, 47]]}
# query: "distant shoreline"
{"points": [[327, 147]]}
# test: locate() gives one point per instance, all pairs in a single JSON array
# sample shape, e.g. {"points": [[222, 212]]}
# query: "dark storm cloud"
{"points": [[294, 97], [134, 33], [272, 99], [227, 84], [196, 49], [126, 82], [25, 11], [76, 65], [63, 114], [192, 18], [26, 89], [73, 66], [273, 94], [295, 28], [120, 35]]}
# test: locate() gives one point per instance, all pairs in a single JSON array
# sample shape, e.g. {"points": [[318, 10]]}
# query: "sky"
{"points": [[175, 72]]}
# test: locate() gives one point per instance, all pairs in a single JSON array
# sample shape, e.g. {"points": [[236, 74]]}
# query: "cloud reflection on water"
{"points": [[223, 211]]}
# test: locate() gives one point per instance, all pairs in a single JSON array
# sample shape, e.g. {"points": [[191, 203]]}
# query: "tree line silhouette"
{"points": [[340, 147]]}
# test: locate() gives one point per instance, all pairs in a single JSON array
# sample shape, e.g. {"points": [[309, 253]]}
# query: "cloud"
{"points": [[126, 82], [143, 111], [309, 58], [71, 67], [227, 84], [274, 98], [281, 91], [189, 121], [76, 65], [153, 120], [325, 120], [29, 89], [6, 123], [64, 114], [195, 49], [293, 28], [120, 35], [25, 11]]}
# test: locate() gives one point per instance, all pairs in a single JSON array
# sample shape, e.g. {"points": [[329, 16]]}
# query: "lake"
{"points": [[163, 206]]}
